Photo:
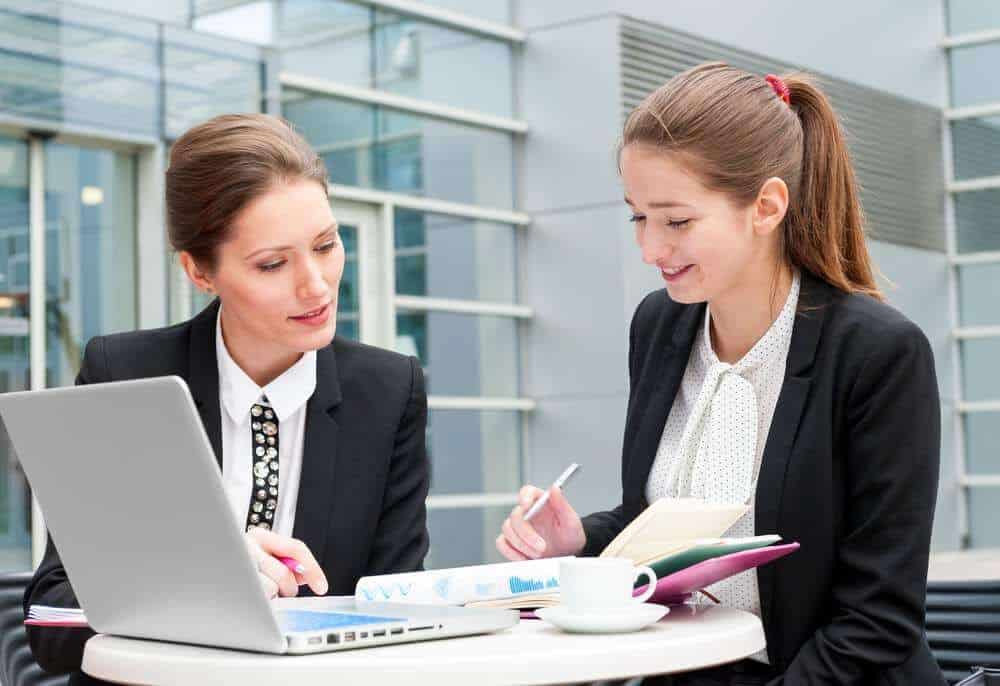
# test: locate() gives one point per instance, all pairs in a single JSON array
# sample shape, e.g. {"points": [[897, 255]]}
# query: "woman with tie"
{"points": [[320, 439], [770, 372]]}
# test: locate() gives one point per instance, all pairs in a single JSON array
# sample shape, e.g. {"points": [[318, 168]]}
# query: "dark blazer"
{"points": [[364, 477], [850, 470]]}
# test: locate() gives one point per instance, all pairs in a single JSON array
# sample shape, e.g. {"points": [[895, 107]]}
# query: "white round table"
{"points": [[533, 652]]}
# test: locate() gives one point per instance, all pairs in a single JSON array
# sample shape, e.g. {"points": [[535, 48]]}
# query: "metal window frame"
{"points": [[967, 333], [16, 125], [455, 501], [430, 205], [971, 38], [464, 402], [983, 183], [958, 421], [448, 19], [36, 309], [401, 103], [982, 480], [416, 303], [975, 406], [985, 257], [972, 111]]}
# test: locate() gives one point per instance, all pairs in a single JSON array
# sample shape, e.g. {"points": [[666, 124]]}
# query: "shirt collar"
{"points": [[775, 339], [238, 392]]}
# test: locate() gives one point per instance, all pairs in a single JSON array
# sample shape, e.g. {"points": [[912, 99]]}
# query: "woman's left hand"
{"points": [[277, 579]]}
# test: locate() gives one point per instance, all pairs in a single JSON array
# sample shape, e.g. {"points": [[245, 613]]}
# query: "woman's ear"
{"points": [[770, 206], [201, 279]]}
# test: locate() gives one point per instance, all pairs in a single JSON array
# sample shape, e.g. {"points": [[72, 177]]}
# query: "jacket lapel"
{"points": [[319, 457], [814, 298], [203, 375], [659, 380]]}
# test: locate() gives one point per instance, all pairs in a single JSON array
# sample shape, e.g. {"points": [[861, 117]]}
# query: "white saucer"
{"points": [[631, 618]]}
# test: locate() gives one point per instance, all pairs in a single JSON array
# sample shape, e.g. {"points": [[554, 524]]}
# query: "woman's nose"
{"points": [[313, 283], [654, 245]]}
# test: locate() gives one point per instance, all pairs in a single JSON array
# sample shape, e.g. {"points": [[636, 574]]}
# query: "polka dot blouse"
{"points": [[714, 437]]}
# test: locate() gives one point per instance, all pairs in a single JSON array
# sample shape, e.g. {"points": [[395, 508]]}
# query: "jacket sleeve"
{"points": [[60, 649], [401, 539], [891, 453], [600, 529]]}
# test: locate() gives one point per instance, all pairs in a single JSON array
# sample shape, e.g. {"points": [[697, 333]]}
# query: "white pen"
{"points": [[558, 483]]}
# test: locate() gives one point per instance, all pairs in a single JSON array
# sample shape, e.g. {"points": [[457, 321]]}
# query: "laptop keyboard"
{"points": [[308, 620]]}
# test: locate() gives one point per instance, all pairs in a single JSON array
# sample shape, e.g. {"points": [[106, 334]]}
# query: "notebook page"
{"points": [[670, 525]]}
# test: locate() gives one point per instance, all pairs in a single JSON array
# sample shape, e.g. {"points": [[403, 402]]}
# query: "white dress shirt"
{"points": [[287, 395], [714, 437]]}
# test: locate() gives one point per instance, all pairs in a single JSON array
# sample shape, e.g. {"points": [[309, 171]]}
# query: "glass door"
{"points": [[357, 301], [67, 273], [15, 498], [90, 251]]}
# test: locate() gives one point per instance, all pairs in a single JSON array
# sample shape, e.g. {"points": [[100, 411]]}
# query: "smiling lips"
{"points": [[671, 274]]}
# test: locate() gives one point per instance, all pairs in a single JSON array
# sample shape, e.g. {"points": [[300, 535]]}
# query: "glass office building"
{"points": [[470, 145], [973, 223], [413, 117]]}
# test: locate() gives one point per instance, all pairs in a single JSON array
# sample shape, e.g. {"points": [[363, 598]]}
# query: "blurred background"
{"points": [[471, 145]]}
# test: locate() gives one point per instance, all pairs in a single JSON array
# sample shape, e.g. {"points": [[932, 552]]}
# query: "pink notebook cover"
{"points": [[675, 588], [66, 622]]}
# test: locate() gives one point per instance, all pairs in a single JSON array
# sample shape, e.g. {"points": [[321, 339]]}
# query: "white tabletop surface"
{"points": [[965, 565], [534, 652]]}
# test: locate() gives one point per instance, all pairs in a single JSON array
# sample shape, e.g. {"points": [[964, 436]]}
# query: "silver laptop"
{"points": [[134, 500]]}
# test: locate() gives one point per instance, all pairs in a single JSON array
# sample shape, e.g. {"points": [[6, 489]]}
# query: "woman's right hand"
{"points": [[555, 531], [275, 578]]}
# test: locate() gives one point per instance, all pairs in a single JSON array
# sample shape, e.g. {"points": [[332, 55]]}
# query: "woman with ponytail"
{"points": [[770, 372]]}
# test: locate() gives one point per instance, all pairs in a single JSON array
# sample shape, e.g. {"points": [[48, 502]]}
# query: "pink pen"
{"points": [[292, 564]]}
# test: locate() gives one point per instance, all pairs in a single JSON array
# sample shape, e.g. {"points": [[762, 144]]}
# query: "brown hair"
{"points": [[735, 132], [218, 167]]}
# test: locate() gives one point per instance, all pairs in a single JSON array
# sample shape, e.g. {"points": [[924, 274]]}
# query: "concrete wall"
{"points": [[884, 44], [916, 283]]}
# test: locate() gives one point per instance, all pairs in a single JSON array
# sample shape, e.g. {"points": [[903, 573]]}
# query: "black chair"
{"points": [[963, 625], [17, 665]]}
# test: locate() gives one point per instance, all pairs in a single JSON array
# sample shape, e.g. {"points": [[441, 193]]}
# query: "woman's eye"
{"points": [[327, 247], [270, 266], [636, 218], [676, 224]]}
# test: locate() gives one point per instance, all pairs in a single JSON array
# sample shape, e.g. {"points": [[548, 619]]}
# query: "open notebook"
{"points": [[680, 538]]}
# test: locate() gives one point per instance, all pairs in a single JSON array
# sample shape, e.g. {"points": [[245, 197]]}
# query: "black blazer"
{"points": [[365, 473], [850, 470]]}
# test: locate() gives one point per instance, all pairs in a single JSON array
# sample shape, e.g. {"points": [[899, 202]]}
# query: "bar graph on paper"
{"points": [[461, 585]]}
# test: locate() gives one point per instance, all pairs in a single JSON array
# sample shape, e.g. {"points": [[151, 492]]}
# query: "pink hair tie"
{"points": [[780, 89]]}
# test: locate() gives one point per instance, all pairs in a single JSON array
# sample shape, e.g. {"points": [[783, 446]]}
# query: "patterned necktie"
{"points": [[264, 444]]}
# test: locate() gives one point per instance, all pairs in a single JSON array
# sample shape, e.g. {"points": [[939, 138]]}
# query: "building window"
{"points": [[373, 147], [363, 46], [973, 181]]}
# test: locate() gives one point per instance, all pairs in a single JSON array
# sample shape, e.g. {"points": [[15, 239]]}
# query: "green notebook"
{"points": [[706, 550]]}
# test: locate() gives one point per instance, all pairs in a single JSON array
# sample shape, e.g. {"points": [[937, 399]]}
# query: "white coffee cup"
{"points": [[596, 584]]}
